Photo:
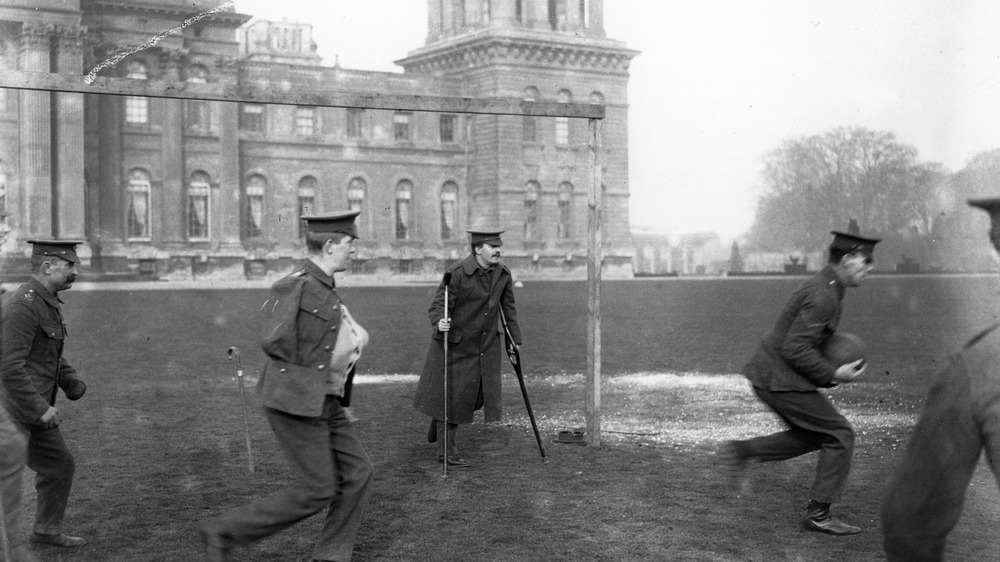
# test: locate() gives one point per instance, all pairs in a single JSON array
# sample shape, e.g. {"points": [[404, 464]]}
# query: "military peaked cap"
{"points": [[337, 221], [851, 243], [65, 249], [486, 236]]}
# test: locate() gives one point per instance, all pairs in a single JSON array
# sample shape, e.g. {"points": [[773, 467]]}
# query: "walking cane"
{"points": [[4, 539], [235, 353], [444, 463], [515, 359]]}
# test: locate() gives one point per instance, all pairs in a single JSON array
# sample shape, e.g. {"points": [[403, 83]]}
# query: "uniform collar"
{"points": [[48, 296], [470, 265], [308, 266], [830, 276]]}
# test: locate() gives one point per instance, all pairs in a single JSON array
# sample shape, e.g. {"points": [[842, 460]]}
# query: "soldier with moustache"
{"points": [[479, 288], [33, 369]]}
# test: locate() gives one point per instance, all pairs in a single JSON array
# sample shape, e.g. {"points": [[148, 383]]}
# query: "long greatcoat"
{"points": [[475, 343]]}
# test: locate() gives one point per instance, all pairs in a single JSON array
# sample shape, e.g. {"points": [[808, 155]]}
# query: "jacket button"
{"points": [[315, 310], [333, 328], [283, 370], [321, 367], [327, 348]]}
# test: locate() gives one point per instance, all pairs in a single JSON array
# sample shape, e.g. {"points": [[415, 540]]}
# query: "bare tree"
{"points": [[816, 184]]}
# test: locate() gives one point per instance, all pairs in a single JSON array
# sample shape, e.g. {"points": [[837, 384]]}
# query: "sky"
{"points": [[720, 83]]}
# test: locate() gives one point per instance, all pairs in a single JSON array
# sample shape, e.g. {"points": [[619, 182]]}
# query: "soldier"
{"points": [[480, 287], [312, 343], [33, 369], [961, 418], [786, 372]]}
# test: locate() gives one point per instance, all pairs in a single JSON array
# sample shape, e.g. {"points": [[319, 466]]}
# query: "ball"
{"points": [[843, 347]]}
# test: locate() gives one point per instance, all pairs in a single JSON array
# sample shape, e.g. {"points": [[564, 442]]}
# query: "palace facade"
{"points": [[175, 188]]}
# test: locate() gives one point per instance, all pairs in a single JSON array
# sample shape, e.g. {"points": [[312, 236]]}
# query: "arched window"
{"points": [[404, 193], [356, 193], [563, 231], [531, 190], [307, 201], [528, 132], [449, 209], [139, 212], [136, 108], [253, 207], [196, 111], [562, 123], [199, 204]]}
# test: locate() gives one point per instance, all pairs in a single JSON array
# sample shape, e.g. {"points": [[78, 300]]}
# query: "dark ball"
{"points": [[843, 347]]}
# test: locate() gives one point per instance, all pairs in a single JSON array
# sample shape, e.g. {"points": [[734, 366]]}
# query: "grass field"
{"points": [[159, 436]]}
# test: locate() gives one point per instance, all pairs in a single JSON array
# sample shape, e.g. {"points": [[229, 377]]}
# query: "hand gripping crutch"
{"points": [[235, 354]]}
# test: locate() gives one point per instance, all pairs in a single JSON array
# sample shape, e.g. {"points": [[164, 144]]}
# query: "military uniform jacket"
{"points": [[788, 358], [961, 418], [474, 343], [301, 323], [33, 367]]}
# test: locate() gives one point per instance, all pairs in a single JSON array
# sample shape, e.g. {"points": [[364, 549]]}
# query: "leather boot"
{"points": [[819, 519]]}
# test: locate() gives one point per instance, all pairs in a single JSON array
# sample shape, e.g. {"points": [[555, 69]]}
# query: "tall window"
{"points": [[448, 123], [404, 194], [356, 193], [449, 209], [553, 14], [196, 111], [401, 125], [562, 123], [305, 121], [484, 8], [519, 10], [198, 206], [136, 108], [307, 201], [565, 210], [252, 117], [528, 133], [531, 190], [355, 122], [138, 195], [253, 206]]}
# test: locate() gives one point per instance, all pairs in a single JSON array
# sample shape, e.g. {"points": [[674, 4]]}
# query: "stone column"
{"points": [[434, 29], [596, 8], [504, 13], [226, 214], [170, 199], [34, 202], [68, 191], [109, 231]]}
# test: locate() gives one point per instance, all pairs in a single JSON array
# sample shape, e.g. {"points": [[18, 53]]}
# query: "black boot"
{"points": [[818, 518]]}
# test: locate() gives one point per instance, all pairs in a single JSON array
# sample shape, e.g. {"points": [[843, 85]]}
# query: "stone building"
{"points": [[179, 188]]}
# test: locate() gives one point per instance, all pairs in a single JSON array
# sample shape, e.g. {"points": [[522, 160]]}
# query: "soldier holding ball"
{"points": [[786, 372]]}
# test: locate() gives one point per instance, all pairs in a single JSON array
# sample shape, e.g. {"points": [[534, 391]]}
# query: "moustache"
{"points": [[71, 278]]}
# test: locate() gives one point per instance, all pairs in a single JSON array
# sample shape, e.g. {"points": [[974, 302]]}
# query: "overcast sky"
{"points": [[720, 83]]}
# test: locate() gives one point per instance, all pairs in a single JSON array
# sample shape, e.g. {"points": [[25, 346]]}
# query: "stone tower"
{"points": [[531, 175]]}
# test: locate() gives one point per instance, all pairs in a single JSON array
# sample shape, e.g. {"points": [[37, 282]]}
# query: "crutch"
{"points": [[235, 354]]}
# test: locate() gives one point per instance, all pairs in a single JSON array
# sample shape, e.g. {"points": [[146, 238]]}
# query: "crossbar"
{"points": [[292, 95]]}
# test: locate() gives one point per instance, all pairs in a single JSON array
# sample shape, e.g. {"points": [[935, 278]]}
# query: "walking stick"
{"points": [[4, 538], [515, 359], [235, 353], [444, 463]]}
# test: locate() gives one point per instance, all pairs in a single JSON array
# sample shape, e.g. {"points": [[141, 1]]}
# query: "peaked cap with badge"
{"points": [[65, 249], [337, 221]]}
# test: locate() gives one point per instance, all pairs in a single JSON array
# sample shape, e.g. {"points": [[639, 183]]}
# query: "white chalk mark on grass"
{"points": [[115, 59]]}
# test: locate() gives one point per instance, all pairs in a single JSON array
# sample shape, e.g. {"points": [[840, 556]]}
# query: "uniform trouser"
{"points": [[13, 454], [53, 466], [813, 424], [332, 471]]}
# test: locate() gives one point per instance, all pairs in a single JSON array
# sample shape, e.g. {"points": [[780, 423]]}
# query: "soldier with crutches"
{"points": [[478, 287]]}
